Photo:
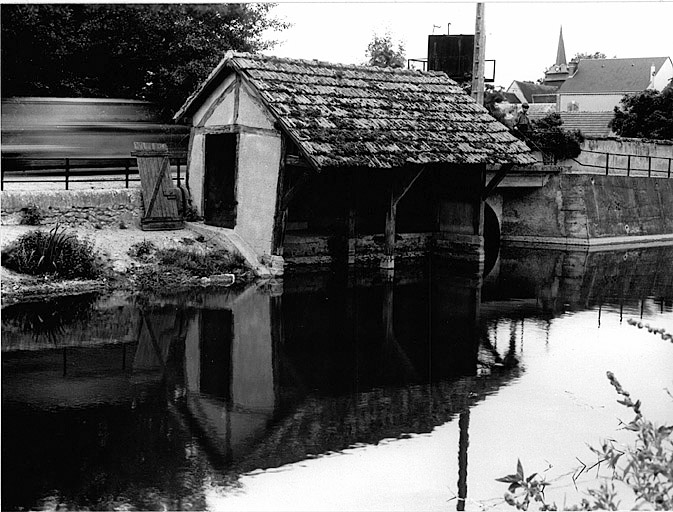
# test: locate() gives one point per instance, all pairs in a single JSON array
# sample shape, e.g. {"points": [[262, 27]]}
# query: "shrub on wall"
{"points": [[54, 253], [552, 140]]}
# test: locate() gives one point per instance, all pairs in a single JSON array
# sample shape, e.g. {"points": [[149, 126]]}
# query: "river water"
{"points": [[335, 391]]}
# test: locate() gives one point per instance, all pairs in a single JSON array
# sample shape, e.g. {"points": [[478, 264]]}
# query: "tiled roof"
{"points": [[612, 75], [591, 124], [358, 116], [530, 89]]}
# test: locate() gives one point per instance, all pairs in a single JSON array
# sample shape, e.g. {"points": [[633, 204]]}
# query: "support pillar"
{"points": [[388, 261]]}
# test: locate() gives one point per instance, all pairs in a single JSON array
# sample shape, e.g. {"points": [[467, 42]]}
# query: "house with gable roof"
{"points": [[304, 157], [598, 85]]}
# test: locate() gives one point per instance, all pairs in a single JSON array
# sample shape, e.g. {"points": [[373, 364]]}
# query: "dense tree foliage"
{"points": [[385, 53], [555, 142], [597, 55], [647, 114], [153, 52]]}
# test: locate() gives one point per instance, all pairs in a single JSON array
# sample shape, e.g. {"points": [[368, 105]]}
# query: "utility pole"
{"points": [[479, 56]]}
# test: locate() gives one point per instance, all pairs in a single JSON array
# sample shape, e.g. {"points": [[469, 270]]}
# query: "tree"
{"points": [[647, 114], [597, 55], [549, 137], [381, 52], [153, 52]]}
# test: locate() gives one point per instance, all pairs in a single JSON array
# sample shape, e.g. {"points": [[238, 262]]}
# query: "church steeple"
{"points": [[561, 52]]}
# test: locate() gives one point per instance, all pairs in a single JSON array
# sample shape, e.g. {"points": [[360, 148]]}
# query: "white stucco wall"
{"points": [[259, 153], [258, 165], [197, 119], [590, 102], [251, 112], [196, 170], [663, 76]]}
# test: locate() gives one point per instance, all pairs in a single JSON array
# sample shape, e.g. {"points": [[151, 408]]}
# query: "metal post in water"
{"points": [[463, 444], [127, 170], [607, 162]]}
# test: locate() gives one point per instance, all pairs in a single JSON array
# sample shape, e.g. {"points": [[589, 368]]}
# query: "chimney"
{"points": [[572, 67]]}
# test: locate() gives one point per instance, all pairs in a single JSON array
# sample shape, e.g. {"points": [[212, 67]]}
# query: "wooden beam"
{"points": [[407, 187], [495, 181], [280, 215], [293, 190], [296, 161]]}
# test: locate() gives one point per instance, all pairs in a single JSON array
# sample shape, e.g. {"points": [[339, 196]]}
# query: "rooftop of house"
{"points": [[591, 124], [529, 89], [612, 75], [359, 116]]}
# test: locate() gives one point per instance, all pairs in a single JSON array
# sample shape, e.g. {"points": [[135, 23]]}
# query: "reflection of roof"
{"points": [[372, 117], [528, 89], [591, 124], [612, 75], [325, 425]]}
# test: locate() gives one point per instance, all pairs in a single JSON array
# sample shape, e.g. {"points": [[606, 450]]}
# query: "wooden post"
{"points": [[388, 261], [479, 56], [607, 162], [126, 170], [352, 216], [463, 444]]}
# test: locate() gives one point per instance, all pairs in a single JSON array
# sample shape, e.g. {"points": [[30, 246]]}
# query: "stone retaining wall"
{"points": [[589, 210], [87, 208]]}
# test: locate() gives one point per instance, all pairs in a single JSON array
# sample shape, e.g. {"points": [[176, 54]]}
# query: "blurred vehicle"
{"points": [[57, 128]]}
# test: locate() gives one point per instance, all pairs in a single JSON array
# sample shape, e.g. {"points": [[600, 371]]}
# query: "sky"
{"points": [[522, 36]]}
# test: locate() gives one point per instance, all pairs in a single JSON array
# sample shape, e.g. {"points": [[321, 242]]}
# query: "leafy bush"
{"points": [[647, 114], [549, 137], [55, 252], [31, 215]]}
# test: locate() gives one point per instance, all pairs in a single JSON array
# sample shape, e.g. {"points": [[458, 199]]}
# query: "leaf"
{"points": [[519, 469], [509, 479], [514, 486], [531, 477]]}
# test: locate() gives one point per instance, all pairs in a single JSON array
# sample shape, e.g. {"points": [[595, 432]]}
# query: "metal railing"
{"points": [[72, 170], [615, 164], [624, 164]]}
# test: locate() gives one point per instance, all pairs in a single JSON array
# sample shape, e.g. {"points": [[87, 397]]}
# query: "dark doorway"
{"points": [[220, 180]]}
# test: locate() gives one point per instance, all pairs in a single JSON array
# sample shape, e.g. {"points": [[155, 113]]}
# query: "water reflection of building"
{"points": [[262, 378]]}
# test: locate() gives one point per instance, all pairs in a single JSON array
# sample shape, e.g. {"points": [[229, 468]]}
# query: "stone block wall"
{"points": [[586, 210], [87, 208]]}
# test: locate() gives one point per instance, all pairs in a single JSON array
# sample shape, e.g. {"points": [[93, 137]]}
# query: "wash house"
{"points": [[321, 162]]}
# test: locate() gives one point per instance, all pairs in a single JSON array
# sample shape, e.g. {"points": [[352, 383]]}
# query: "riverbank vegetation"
{"points": [[45, 263], [169, 269], [56, 253], [644, 466]]}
